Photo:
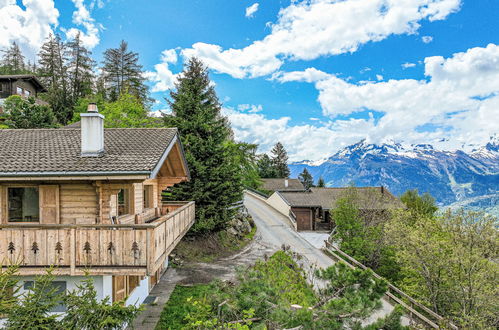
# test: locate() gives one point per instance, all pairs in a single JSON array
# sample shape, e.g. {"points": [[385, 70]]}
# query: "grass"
{"points": [[177, 307], [212, 247]]}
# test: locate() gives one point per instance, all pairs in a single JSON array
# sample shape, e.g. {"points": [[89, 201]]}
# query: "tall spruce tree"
{"points": [[13, 60], [265, 167], [122, 73], [306, 179], [80, 69], [280, 160], [321, 183], [53, 71], [216, 178]]}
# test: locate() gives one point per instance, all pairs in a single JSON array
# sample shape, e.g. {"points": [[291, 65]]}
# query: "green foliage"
{"points": [[321, 183], [280, 160], [245, 156], [423, 205], [127, 111], [265, 167], [275, 294], [122, 73], [80, 69], [12, 61], [360, 235], [306, 179], [25, 113], [450, 264], [33, 308], [216, 178], [85, 311]]}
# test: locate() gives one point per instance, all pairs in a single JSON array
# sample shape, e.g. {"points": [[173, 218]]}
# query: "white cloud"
{"points": [[309, 29], [81, 17], [28, 25], [408, 65], [379, 77], [301, 141], [162, 76], [251, 108], [251, 10], [427, 39], [460, 100]]}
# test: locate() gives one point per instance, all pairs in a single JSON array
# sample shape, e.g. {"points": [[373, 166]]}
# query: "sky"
{"points": [[315, 75]]}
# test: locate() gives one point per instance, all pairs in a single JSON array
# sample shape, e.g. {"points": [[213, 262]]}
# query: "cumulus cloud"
{"points": [[379, 77], [162, 77], [81, 17], [251, 10], [309, 29], [28, 24], [459, 100], [427, 39], [301, 141], [251, 108]]}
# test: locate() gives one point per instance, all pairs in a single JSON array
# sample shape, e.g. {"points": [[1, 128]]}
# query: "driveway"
{"points": [[274, 230]]}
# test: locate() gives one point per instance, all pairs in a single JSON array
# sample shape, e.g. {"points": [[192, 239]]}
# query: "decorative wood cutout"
{"points": [[34, 247], [87, 248], [58, 247], [110, 247], [11, 248], [135, 249]]}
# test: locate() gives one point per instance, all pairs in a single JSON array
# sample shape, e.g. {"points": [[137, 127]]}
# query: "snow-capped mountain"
{"points": [[452, 177]]}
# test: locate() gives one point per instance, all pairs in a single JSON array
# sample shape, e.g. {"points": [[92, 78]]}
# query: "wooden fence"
{"points": [[413, 309]]}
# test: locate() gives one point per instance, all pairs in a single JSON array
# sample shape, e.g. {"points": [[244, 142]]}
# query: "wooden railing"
{"points": [[125, 249], [414, 310]]}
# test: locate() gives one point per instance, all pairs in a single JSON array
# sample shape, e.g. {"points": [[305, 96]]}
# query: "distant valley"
{"points": [[454, 178]]}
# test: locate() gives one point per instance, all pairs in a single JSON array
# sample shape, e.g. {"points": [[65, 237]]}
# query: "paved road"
{"points": [[274, 229]]}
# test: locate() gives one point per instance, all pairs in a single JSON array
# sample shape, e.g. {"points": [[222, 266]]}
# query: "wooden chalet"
{"points": [[89, 200], [282, 185]]}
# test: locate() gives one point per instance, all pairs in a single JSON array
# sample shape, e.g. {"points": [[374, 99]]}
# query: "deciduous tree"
{"points": [[25, 113]]}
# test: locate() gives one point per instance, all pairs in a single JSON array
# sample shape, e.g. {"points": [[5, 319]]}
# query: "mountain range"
{"points": [[454, 178]]}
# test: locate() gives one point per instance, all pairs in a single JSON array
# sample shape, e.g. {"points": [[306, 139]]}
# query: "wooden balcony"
{"points": [[122, 249]]}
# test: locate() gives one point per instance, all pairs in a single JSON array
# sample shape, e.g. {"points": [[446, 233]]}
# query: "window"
{"points": [[24, 204], [19, 90], [148, 197], [27, 93], [58, 286], [123, 202]]}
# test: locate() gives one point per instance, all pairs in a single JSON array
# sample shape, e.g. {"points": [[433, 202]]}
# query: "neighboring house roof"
{"points": [[54, 152], [367, 198], [280, 185], [27, 77]]}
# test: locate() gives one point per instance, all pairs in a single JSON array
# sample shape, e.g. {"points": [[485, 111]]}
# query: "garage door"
{"points": [[303, 219]]}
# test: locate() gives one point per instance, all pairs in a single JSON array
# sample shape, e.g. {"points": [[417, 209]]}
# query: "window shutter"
{"points": [[49, 204]]}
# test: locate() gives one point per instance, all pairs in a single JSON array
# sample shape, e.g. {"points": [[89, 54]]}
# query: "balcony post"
{"points": [[72, 250]]}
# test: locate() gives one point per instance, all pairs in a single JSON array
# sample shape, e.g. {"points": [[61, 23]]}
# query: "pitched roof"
{"points": [[367, 197], [27, 152], [280, 185], [29, 77]]}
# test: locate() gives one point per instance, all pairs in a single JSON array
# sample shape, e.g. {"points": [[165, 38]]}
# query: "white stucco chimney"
{"points": [[286, 183], [92, 132]]}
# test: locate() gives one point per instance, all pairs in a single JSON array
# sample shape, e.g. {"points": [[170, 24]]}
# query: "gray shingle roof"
{"points": [[367, 197], [279, 185], [130, 150]]}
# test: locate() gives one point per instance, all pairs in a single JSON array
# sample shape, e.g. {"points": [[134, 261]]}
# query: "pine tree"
{"points": [[321, 183], [13, 60], [306, 179], [80, 69], [122, 73], [280, 160], [265, 167], [215, 175], [53, 72]]}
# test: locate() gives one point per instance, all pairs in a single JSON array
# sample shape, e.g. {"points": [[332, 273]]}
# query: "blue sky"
{"points": [[317, 75]]}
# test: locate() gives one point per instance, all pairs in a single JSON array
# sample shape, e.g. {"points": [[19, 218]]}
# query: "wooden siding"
{"points": [[304, 218], [78, 203], [138, 249]]}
